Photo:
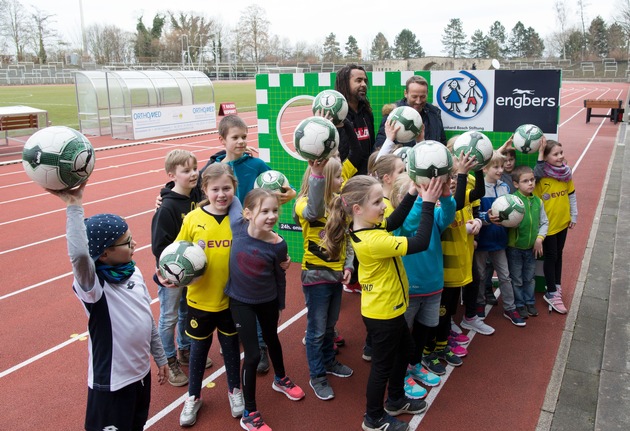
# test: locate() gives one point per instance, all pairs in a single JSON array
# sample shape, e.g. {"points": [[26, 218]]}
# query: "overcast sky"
{"points": [[312, 21]]}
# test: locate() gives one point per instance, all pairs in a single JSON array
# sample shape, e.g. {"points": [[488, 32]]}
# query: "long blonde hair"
{"points": [[331, 171]]}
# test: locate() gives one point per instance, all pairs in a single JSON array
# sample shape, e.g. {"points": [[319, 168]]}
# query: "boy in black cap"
{"points": [[122, 333]]}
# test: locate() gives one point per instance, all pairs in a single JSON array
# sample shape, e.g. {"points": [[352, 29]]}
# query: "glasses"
{"points": [[127, 243]]}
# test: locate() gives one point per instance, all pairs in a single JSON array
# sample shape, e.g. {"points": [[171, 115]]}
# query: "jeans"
{"points": [[173, 311], [323, 302], [522, 264], [499, 261]]}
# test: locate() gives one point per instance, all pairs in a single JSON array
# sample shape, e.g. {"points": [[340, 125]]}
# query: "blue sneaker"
{"points": [[414, 390], [405, 406], [514, 317], [418, 372], [384, 423]]}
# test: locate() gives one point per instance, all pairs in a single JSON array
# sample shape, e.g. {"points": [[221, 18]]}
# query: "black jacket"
{"points": [[363, 124], [433, 127]]}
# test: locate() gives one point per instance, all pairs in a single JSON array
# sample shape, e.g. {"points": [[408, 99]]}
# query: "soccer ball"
{"points": [[428, 159], [402, 152], [331, 102], [409, 121], [182, 263], [527, 138], [510, 209], [272, 180], [477, 144], [58, 158], [315, 138]]}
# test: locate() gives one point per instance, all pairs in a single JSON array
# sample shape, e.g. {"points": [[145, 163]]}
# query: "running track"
{"points": [[43, 358]]}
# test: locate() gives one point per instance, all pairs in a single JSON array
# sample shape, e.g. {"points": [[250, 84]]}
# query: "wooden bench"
{"points": [[612, 104], [17, 122]]}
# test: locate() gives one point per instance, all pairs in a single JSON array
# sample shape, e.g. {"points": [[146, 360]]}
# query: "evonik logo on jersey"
{"points": [[463, 96], [525, 98]]}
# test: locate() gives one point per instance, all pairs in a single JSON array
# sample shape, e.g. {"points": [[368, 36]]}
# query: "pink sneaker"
{"points": [[555, 301], [457, 349], [459, 338], [254, 422], [352, 288], [287, 387]]}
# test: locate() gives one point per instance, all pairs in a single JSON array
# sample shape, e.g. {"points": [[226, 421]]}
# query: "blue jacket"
{"points": [[425, 270], [492, 237], [246, 169]]}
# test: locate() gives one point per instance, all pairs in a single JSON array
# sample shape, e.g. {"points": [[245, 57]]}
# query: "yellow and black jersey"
{"points": [[213, 234], [555, 197], [458, 247]]}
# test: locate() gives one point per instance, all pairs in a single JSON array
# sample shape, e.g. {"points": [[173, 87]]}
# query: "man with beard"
{"points": [[352, 82], [416, 91]]}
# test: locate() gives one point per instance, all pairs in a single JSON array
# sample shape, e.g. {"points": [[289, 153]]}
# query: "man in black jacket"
{"points": [[416, 91]]}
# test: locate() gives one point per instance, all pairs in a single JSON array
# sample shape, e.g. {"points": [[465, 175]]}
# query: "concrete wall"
{"points": [[431, 63]]}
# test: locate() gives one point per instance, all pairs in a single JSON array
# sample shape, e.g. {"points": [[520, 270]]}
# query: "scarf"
{"points": [[560, 173], [115, 274]]}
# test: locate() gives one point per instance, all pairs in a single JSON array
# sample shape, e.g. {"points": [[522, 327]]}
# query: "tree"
{"points": [[617, 41], [581, 6], [454, 38], [623, 17], [534, 45], [574, 44], [496, 40], [254, 27], [597, 38], [147, 45], [407, 46], [14, 26], [330, 50], [108, 44], [380, 48], [42, 32], [560, 37], [478, 46], [198, 30], [353, 53], [517, 42]]}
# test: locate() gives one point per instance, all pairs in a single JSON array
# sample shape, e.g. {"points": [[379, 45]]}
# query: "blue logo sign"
{"points": [[462, 97]]}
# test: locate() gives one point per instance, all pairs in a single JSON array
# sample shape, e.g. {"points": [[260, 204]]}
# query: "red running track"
{"points": [[43, 361]]}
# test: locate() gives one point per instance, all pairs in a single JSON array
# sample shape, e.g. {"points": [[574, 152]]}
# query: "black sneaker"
{"points": [[405, 406], [531, 310], [263, 364], [522, 311], [449, 357], [432, 363], [385, 423]]}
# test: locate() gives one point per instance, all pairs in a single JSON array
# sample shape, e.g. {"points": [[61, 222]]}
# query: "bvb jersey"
{"points": [[385, 289], [389, 208], [458, 247], [555, 197], [202, 228]]}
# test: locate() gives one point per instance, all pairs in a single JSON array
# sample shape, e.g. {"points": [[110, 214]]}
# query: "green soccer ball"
{"points": [[510, 209], [182, 263], [331, 102], [272, 180], [315, 138], [527, 138], [477, 144], [428, 159], [58, 158], [409, 121]]}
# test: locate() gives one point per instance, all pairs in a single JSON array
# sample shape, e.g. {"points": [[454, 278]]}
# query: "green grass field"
{"points": [[61, 101]]}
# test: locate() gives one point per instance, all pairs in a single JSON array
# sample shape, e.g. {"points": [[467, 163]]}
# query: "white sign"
{"points": [[171, 120]]}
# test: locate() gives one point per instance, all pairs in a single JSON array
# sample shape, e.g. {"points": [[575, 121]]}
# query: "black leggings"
{"points": [[553, 245], [244, 316]]}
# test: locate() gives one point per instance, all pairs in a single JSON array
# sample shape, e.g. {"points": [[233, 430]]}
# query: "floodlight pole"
{"points": [[181, 38]]}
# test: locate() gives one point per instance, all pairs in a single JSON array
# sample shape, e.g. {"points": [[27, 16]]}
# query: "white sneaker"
{"points": [[188, 416], [455, 328], [477, 325], [237, 403]]}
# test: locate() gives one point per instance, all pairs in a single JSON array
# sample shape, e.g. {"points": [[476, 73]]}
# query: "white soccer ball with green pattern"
{"points": [[510, 209], [476, 144], [182, 263], [428, 159], [316, 138], [409, 122], [272, 180], [527, 138], [402, 153], [333, 103], [58, 158]]}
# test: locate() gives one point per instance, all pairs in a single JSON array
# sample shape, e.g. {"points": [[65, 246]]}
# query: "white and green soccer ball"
{"points": [[182, 263], [316, 138], [402, 152], [510, 209], [272, 180], [409, 121], [527, 138], [428, 159], [477, 144], [331, 102], [58, 158]]}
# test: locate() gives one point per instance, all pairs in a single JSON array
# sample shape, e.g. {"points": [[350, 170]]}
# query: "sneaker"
{"points": [[449, 357], [555, 301], [176, 376], [254, 422], [460, 339], [477, 325], [522, 311], [490, 298], [457, 350], [531, 310], [183, 356], [339, 340], [352, 288], [481, 311], [455, 328], [237, 403], [387, 423], [263, 364], [514, 317], [322, 389], [414, 390], [406, 405], [338, 369], [367, 353], [287, 387], [432, 363], [188, 416], [418, 372]]}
